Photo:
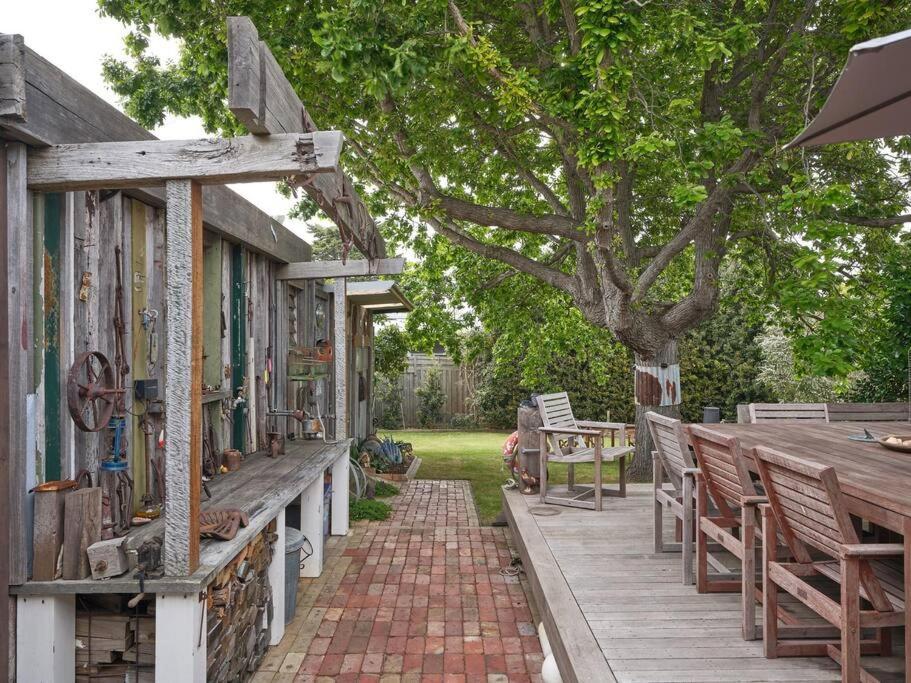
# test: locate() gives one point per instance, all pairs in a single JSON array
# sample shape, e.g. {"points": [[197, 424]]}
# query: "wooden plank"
{"points": [[304, 270], [575, 648], [17, 363], [340, 364], [47, 538], [263, 99], [183, 381], [61, 110], [82, 529], [12, 77], [6, 614], [96, 165]]}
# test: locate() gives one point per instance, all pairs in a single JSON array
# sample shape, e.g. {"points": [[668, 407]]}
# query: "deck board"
{"points": [[648, 625]]}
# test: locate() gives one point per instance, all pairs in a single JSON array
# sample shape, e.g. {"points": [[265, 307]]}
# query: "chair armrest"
{"points": [[871, 549], [570, 430], [606, 426], [753, 500], [690, 471]]}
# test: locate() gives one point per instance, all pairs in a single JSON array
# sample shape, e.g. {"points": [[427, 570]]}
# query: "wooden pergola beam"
{"points": [[118, 165], [12, 77], [261, 97], [312, 270], [183, 377]]}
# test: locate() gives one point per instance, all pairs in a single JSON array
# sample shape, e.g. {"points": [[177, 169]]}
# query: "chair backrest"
{"points": [[671, 446], [769, 412], [721, 463], [556, 412], [810, 510], [869, 412]]}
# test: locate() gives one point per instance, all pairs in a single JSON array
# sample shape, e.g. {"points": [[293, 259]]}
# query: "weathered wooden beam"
{"points": [[183, 377], [61, 110], [311, 270], [115, 165], [12, 77], [340, 352], [263, 100], [16, 340]]}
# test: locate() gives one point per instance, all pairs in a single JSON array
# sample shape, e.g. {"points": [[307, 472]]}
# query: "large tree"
{"points": [[616, 151]]}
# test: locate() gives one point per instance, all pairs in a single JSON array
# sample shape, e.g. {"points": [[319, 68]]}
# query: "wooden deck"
{"points": [[615, 611]]}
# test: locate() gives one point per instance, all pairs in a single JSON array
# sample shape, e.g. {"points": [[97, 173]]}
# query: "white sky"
{"points": [[75, 38]]}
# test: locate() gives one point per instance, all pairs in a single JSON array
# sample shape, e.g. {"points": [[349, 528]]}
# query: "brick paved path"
{"points": [[418, 597]]}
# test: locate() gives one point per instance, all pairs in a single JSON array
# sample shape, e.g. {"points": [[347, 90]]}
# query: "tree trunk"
{"points": [[657, 380]]}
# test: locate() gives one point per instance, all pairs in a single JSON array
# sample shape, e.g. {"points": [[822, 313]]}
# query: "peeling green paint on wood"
{"points": [[53, 394]]}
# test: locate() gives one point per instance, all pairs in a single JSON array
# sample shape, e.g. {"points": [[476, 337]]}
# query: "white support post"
{"points": [[45, 637], [183, 377], [340, 473], [312, 527], [180, 638], [277, 581], [341, 359]]}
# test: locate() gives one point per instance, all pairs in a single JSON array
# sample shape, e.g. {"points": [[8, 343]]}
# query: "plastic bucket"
{"points": [[294, 541]]}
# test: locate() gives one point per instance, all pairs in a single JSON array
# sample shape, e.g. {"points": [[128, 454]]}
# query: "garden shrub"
{"points": [[365, 508], [431, 399]]}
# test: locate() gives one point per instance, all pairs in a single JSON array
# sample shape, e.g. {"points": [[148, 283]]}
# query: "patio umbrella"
{"points": [[872, 98]]}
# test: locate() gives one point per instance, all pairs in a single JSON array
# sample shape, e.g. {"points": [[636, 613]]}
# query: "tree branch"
{"points": [[874, 222]]}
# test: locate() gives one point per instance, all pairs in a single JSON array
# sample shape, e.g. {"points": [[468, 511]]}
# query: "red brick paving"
{"points": [[423, 599]]}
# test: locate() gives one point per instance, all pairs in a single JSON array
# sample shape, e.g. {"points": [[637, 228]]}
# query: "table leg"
{"points": [[46, 626], [180, 638], [622, 468]]}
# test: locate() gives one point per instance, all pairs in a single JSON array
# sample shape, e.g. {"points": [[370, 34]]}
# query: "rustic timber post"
{"points": [[340, 353], [183, 377], [528, 419]]}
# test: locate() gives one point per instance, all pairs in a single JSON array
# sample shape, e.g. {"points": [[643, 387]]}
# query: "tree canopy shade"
{"points": [[617, 151]]}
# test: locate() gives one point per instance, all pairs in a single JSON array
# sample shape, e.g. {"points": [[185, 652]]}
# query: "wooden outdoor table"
{"points": [[876, 481]]}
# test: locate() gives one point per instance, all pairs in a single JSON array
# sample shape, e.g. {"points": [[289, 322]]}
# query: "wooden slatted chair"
{"points": [[807, 509], [724, 476], [672, 460], [563, 440], [869, 412], [770, 412]]}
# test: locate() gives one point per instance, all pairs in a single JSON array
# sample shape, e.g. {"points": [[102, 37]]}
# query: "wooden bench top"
{"points": [[262, 487]]}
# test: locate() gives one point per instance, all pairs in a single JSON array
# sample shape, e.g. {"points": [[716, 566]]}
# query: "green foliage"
{"points": [[387, 392], [327, 243], [431, 399], [390, 351], [632, 91], [383, 489], [365, 508]]}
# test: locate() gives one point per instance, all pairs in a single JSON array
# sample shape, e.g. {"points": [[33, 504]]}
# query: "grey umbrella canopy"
{"points": [[872, 98]]}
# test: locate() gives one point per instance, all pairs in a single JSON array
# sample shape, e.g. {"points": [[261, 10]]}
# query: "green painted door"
{"points": [[52, 266]]}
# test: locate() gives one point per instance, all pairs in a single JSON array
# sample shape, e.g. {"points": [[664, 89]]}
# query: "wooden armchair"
{"points": [[563, 440], [807, 509], [671, 459], [724, 476]]}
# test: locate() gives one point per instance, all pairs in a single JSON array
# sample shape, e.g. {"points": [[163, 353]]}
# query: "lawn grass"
{"points": [[475, 456]]}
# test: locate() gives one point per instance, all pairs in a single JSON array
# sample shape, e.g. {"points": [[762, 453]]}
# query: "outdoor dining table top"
{"points": [[870, 474]]}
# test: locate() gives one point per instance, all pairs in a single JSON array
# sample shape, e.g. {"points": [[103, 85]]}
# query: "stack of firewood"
{"points": [[239, 604], [110, 638]]}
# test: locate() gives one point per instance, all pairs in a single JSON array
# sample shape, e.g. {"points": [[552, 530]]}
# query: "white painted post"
{"points": [[341, 358], [180, 638], [45, 638], [340, 473], [277, 581], [312, 527], [183, 377]]}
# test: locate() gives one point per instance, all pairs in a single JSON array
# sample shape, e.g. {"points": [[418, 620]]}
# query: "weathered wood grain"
{"points": [[16, 339], [96, 165], [183, 378], [12, 77], [48, 532], [263, 100], [82, 529], [340, 354], [304, 270]]}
